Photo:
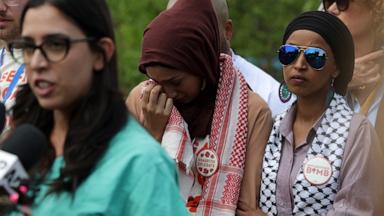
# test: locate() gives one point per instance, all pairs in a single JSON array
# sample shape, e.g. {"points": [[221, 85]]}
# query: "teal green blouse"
{"points": [[134, 177]]}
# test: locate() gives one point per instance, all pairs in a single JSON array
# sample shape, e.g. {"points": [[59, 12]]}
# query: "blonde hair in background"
{"points": [[377, 7]]}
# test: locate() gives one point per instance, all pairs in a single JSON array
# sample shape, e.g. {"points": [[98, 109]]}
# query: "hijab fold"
{"points": [[186, 38]]}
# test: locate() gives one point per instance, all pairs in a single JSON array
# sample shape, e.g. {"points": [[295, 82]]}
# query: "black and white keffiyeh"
{"points": [[328, 143]]}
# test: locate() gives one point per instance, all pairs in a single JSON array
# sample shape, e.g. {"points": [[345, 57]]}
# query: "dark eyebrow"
{"points": [[46, 37], [26, 38], [176, 78], [53, 36], [173, 80]]}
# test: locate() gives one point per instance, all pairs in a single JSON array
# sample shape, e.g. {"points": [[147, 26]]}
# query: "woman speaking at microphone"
{"points": [[101, 161], [321, 158]]}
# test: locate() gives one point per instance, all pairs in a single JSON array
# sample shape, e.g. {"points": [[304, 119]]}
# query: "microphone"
{"points": [[3, 118], [18, 154]]}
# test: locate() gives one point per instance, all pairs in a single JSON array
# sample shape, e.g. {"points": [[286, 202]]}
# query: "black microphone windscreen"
{"points": [[28, 143], [2, 117]]}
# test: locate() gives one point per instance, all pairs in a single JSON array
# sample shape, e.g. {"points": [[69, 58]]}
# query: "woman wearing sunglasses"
{"points": [[321, 158], [365, 21], [100, 161]]}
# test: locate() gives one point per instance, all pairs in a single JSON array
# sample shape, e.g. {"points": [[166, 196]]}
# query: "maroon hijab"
{"points": [[186, 38]]}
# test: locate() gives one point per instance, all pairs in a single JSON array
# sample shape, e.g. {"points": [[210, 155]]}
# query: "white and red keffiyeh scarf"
{"points": [[228, 138]]}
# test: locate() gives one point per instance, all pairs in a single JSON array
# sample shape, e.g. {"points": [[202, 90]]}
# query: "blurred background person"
{"points": [[321, 157], [201, 110], [258, 80], [365, 20], [100, 161], [11, 73]]}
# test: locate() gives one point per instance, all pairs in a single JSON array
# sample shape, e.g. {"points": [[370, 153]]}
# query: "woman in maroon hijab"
{"points": [[201, 110]]}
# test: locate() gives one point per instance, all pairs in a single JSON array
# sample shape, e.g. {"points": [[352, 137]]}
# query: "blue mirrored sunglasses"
{"points": [[315, 57]]}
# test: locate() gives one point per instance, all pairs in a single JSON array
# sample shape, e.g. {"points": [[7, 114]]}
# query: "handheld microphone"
{"points": [[19, 153]]}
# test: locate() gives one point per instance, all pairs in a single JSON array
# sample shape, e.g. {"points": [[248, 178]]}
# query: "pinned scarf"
{"points": [[228, 139], [329, 142]]}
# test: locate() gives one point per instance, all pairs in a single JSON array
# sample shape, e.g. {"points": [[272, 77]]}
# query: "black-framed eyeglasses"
{"points": [[54, 48], [316, 57], [342, 5]]}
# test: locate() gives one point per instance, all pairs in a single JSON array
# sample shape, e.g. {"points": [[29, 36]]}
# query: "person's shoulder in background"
{"points": [[263, 84]]}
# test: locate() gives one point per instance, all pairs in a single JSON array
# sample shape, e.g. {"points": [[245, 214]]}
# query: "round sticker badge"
{"points": [[317, 170], [207, 162]]}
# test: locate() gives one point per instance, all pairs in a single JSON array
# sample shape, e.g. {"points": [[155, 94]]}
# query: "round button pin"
{"points": [[317, 170], [207, 162]]}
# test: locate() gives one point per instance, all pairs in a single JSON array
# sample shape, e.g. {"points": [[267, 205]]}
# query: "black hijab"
{"points": [[338, 37]]}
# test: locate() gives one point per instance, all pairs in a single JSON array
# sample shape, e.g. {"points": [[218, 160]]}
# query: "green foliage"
{"points": [[258, 29], [130, 19]]}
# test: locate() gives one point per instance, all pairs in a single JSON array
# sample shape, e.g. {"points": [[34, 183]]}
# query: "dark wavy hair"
{"points": [[98, 116]]}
